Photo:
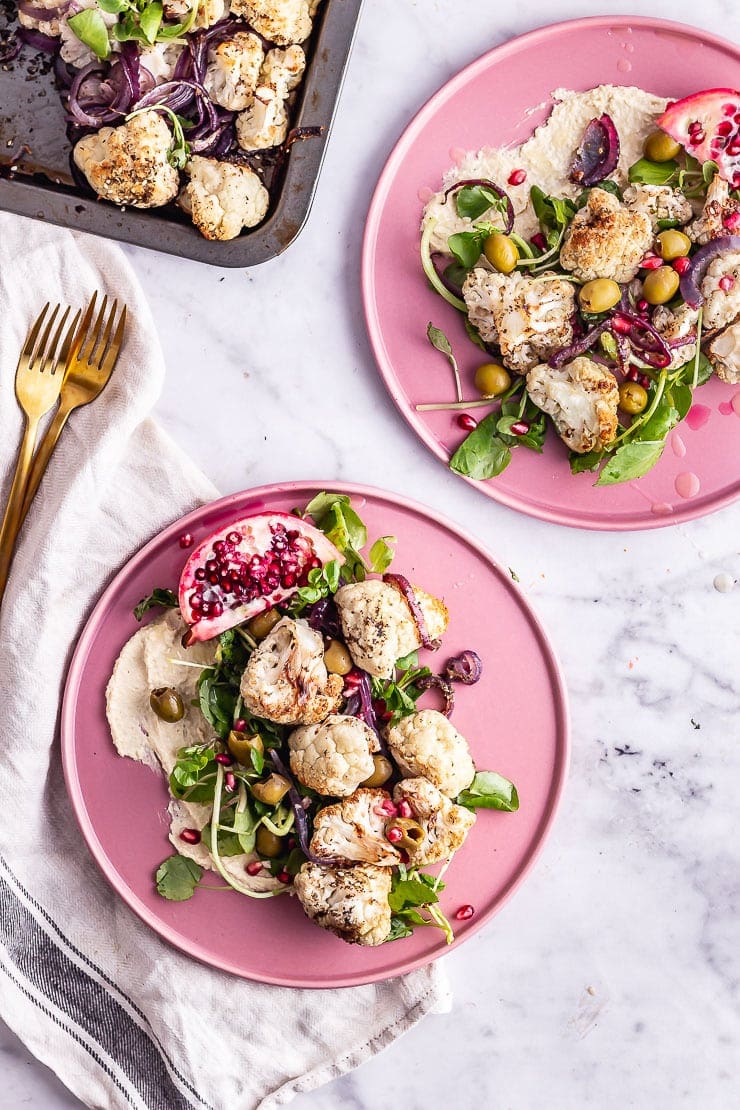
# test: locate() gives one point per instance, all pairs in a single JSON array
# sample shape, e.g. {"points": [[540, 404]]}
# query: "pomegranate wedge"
{"points": [[248, 567], [707, 124]]}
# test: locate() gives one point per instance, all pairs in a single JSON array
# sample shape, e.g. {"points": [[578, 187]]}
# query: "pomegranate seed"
{"points": [[284, 877], [632, 375], [404, 809], [224, 759], [728, 109], [230, 781], [394, 834], [464, 913], [240, 725], [254, 867], [645, 381], [732, 219], [517, 177], [520, 428], [681, 265], [288, 581], [186, 540], [651, 262], [539, 241], [466, 422], [726, 283], [200, 574], [697, 138], [190, 836], [216, 609], [352, 680], [733, 148], [233, 537], [642, 305], [292, 842], [385, 809]]}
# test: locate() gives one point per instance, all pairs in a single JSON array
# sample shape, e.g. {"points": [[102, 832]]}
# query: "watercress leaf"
{"points": [[399, 930], [482, 454], [128, 29], [165, 599], [466, 247], [332, 574], [608, 344], [89, 27], [645, 172], [322, 504], [708, 171], [681, 398], [113, 7], [410, 892], [245, 828], [150, 20], [177, 878], [705, 371], [660, 423], [439, 340], [408, 661], [581, 463], [489, 790], [631, 460], [665, 225], [473, 332], [381, 554], [473, 200], [455, 274]]}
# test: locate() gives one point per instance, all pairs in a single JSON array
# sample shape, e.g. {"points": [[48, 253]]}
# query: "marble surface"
{"points": [[611, 980]]}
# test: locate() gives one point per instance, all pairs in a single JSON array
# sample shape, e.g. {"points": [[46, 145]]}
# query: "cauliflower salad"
{"points": [[279, 691], [598, 267], [181, 101]]}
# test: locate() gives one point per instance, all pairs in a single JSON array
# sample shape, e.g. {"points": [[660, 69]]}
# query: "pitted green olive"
{"points": [[337, 659], [673, 244], [242, 744], [382, 772], [501, 252], [272, 790], [660, 147], [491, 380], [660, 285], [167, 704], [263, 624], [405, 833], [599, 295], [267, 844], [632, 398]]}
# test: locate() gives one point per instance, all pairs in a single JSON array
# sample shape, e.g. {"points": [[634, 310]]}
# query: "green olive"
{"points": [[632, 398], [263, 624], [382, 772], [271, 790], [242, 744], [337, 659], [501, 252], [167, 704], [268, 844], [412, 834], [673, 244], [599, 295], [660, 285], [492, 380], [660, 147]]}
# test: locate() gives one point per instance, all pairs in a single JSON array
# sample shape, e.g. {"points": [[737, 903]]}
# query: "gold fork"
{"points": [[89, 366], [38, 380]]}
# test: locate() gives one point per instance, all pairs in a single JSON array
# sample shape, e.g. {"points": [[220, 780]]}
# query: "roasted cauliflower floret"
{"points": [[233, 70], [333, 757], [718, 208], [72, 49], [160, 59], [529, 319], [209, 11], [222, 197], [378, 626], [264, 122], [606, 239], [724, 354], [279, 21], [445, 824], [674, 325], [353, 830], [350, 902], [721, 305], [286, 680], [50, 26], [128, 164], [427, 744], [658, 202], [582, 399]]}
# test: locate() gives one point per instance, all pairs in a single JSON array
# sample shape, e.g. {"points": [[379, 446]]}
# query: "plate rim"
{"points": [[73, 687], [630, 522]]}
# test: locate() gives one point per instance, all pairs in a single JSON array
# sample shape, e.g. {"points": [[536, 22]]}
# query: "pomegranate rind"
{"points": [[256, 535], [707, 125]]}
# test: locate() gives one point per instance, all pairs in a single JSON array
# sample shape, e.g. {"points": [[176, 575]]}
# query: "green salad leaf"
{"points": [[194, 775], [333, 514], [489, 790], [177, 878], [401, 692], [580, 464], [89, 27], [158, 598], [473, 201], [414, 902], [441, 343], [382, 553], [645, 172], [631, 460], [482, 454]]}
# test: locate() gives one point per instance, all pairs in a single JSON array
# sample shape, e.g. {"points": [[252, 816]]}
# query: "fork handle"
{"points": [[14, 509], [41, 459]]}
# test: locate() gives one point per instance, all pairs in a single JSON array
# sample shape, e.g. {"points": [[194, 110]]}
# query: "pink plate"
{"points": [[498, 101], [515, 718]]}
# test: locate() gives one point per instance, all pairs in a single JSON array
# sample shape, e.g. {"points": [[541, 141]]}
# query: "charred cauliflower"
{"points": [[222, 197], [208, 13], [128, 164], [350, 902], [427, 744], [279, 21], [333, 757], [353, 830], [582, 399], [677, 324], [528, 318], [658, 202], [718, 207], [233, 70], [445, 824], [286, 681], [378, 626], [721, 305], [724, 354], [606, 239], [264, 121], [38, 22]]}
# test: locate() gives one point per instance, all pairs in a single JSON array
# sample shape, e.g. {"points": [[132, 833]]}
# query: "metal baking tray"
{"points": [[36, 181]]}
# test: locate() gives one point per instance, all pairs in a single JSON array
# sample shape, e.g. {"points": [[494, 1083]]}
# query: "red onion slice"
{"points": [[692, 279], [465, 667], [438, 682], [598, 154], [301, 820], [488, 184], [38, 41], [578, 346], [43, 15], [404, 587]]}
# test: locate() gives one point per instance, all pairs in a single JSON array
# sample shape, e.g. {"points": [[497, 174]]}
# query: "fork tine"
{"points": [[64, 351], [38, 361], [105, 339], [33, 334], [91, 340], [115, 346], [51, 353], [82, 333]]}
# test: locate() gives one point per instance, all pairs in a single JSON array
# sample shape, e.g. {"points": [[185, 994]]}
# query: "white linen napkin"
{"points": [[123, 1019]]}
